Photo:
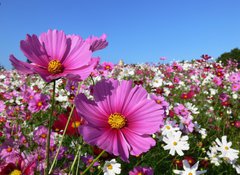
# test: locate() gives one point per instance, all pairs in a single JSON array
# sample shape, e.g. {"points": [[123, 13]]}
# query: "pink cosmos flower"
{"points": [[54, 55], [38, 102], [217, 81], [121, 119], [19, 166], [235, 87], [181, 110], [187, 125], [107, 66], [141, 171], [237, 123], [160, 101], [97, 43], [206, 57], [72, 86], [2, 106], [162, 58], [40, 136], [235, 77], [223, 97], [87, 159]]}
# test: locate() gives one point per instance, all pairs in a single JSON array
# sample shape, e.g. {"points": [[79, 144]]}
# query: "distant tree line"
{"points": [[233, 55], [2, 67]]}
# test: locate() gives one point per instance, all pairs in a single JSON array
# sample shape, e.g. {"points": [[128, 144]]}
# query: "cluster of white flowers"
{"points": [[222, 151], [174, 140]]}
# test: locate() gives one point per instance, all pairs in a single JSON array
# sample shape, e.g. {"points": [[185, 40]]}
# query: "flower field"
{"points": [[64, 112]]}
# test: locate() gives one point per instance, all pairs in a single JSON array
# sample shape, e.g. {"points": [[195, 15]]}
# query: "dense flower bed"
{"points": [[180, 118]]}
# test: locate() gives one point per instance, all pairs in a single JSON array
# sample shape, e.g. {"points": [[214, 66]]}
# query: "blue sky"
{"points": [[138, 30]]}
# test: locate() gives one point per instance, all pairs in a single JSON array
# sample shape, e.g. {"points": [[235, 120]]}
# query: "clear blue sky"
{"points": [[138, 30]]}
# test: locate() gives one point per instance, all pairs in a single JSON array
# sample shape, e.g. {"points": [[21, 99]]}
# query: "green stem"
{"points": [[78, 164], [92, 80], [99, 172], [93, 162], [75, 159], [59, 147], [50, 128]]}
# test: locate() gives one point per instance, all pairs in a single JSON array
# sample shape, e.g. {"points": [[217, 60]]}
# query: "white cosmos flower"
{"points": [[225, 148], [111, 167], [176, 143], [157, 82], [189, 170], [169, 128], [237, 168], [213, 156], [192, 108], [235, 96]]}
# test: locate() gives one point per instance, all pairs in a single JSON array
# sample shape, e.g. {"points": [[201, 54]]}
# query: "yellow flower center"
{"points": [[168, 127], [140, 173], [158, 101], [43, 135], [55, 67], [76, 124], [190, 173], [90, 161], [107, 67], [116, 121], [174, 143], [72, 87], [9, 149], [24, 141], [226, 148], [39, 104], [15, 172], [110, 167], [39, 157]]}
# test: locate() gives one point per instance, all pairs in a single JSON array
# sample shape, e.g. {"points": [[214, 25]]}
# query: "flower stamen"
{"points": [[116, 121], [16, 172], [76, 124], [110, 167], [55, 67]]}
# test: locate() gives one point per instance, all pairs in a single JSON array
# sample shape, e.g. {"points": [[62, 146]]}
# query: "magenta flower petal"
{"points": [[21, 66], [138, 143], [34, 51], [91, 111], [97, 43], [116, 143], [55, 43], [79, 55], [84, 71], [103, 94], [90, 134]]}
